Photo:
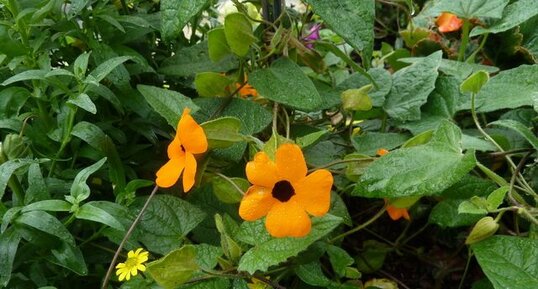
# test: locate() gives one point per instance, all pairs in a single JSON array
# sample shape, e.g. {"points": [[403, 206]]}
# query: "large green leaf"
{"points": [[217, 45], [166, 222], [472, 8], [46, 223], [513, 15], [175, 268], [96, 214], [369, 142], [277, 250], [7, 169], [176, 14], [410, 88], [520, 84], [238, 32], [509, 262], [520, 128], [351, 19], [69, 257], [420, 170], [285, 82], [9, 242], [168, 103]]}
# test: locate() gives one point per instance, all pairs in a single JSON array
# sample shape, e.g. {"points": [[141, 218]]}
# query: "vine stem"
{"points": [[126, 237], [470, 256], [361, 226], [464, 39]]}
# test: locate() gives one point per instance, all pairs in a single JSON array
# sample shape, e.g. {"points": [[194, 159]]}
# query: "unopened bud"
{"points": [[483, 229], [13, 147]]}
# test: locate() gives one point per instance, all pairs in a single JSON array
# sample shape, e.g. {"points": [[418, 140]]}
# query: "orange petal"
{"points": [[261, 171], [288, 219], [381, 152], [314, 192], [448, 22], [191, 134], [190, 172], [397, 213], [174, 149], [256, 203], [168, 174], [290, 162]]}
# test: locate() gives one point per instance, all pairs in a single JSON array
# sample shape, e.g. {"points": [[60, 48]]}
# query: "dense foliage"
{"points": [[314, 144]]}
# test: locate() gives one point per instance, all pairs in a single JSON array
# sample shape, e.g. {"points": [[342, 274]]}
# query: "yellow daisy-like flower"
{"points": [[132, 265]]}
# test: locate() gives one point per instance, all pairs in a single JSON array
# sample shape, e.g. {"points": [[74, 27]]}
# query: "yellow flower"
{"points": [[132, 265], [284, 192], [190, 140]]}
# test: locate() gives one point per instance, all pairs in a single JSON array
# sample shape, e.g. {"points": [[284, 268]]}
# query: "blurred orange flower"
{"points": [[396, 213], [448, 22], [190, 139], [381, 152], [284, 192]]}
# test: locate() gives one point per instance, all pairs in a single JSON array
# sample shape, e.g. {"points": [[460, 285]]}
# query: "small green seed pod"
{"points": [[483, 229]]}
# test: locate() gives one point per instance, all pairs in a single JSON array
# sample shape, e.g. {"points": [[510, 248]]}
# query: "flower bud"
{"points": [[483, 229], [13, 147]]}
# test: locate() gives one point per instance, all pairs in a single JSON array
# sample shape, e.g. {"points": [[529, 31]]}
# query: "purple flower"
{"points": [[313, 35]]}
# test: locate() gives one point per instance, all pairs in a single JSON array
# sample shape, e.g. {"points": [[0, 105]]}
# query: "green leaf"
{"points": [[474, 82], [176, 14], [26, 75], [207, 256], [310, 139], [37, 188], [457, 69], [81, 64], [229, 190], [369, 142], [212, 84], [166, 222], [519, 128], [168, 103], [521, 82], [9, 242], [472, 8], [85, 102], [48, 205], [222, 132], [69, 257], [496, 198], [79, 189], [275, 251], [194, 59], [285, 82], [312, 274], [175, 268], [96, 138], [382, 78], [217, 45], [215, 283], [339, 259], [253, 233], [418, 171], [93, 213], [447, 214], [509, 262], [351, 19], [410, 88], [372, 256], [7, 169], [238, 32], [101, 71], [513, 15], [47, 223]]}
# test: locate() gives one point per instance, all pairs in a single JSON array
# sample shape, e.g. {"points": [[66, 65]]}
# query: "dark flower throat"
{"points": [[283, 191]]}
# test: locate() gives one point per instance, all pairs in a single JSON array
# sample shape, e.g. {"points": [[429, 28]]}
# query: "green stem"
{"points": [[341, 162], [66, 137], [471, 57], [470, 255], [464, 39], [359, 227]]}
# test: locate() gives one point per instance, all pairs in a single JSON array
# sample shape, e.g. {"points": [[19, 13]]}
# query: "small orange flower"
{"points": [[190, 139], [396, 213], [284, 192], [246, 90], [381, 152], [448, 22]]}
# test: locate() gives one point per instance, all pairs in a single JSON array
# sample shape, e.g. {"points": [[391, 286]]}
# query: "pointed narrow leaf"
{"points": [[46, 223], [9, 242], [101, 71]]}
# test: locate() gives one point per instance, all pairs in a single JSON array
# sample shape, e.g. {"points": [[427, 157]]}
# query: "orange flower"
{"points": [[284, 192], [396, 213], [381, 152], [190, 139], [246, 90], [448, 22]]}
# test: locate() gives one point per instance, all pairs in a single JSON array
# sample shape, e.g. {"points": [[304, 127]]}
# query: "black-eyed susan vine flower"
{"points": [[134, 263], [448, 22], [284, 192], [190, 139]]}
